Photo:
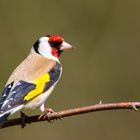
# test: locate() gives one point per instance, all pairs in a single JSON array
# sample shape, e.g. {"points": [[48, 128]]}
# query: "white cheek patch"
{"points": [[45, 49]]}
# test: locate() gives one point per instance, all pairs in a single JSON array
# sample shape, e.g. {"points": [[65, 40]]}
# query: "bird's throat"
{"points": [[55, 52]]}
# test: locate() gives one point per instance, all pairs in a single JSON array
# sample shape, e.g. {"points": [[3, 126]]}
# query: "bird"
{"points": [[34, 79]]}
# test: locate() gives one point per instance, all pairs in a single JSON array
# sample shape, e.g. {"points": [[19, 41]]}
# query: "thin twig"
{"points": [[75, 111]]}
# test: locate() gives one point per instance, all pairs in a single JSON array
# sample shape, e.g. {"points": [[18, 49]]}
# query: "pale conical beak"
{"points": [[65, 46]]}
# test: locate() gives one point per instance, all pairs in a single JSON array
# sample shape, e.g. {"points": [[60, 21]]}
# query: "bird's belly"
{"points": [[39, 100]]}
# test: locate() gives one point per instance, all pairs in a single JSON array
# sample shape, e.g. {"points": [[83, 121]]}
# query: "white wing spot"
{"points": [[14, 92], [5, 102], [4, 95], [18, 84], [9, 86], [9, 106]]}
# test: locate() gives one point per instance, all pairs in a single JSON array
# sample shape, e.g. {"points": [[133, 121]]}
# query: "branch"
{"points": [[74, 111]]}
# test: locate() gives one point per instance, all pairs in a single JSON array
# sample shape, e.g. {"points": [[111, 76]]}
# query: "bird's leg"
{"points": [[23, 119], [47, 113]]}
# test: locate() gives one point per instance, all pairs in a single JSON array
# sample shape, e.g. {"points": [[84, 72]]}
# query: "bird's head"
{"points": [[50, 46]]}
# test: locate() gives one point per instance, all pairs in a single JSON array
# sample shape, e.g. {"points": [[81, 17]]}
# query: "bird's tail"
{"points": [[3, 118]]}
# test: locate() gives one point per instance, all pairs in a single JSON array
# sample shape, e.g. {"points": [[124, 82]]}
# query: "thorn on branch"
{"points": [[70, 112], [100, 102], [134, 107]]}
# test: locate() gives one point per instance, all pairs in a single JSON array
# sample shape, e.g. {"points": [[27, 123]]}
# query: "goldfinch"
{"points": [[33, 80]]}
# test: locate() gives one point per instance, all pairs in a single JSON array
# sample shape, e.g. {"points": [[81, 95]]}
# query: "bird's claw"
{"points": [[47, 115]]}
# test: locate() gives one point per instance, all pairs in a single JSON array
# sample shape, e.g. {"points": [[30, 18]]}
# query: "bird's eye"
{"points": [[55, 44]]}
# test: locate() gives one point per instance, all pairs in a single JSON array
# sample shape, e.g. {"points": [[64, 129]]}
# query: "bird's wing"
{"points": [[5, 93], [18, 93]]}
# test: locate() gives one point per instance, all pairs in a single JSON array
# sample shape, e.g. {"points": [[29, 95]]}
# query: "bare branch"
{"points": [[74, 111]]}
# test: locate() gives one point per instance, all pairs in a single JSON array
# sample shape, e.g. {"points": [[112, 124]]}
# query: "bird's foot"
{"points": [[47, 115], [23, 119]]}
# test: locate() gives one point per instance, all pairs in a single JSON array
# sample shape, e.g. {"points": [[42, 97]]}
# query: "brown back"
{"points": [[31, 68]]}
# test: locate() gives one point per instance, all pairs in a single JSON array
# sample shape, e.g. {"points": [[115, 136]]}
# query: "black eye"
{"points": [[55, 44]]}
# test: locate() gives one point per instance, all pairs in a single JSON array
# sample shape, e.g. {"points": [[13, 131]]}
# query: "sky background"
{"points": [[104, 66]]}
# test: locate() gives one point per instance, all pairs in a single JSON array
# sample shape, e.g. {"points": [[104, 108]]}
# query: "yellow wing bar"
{"points": [[40, 82]]}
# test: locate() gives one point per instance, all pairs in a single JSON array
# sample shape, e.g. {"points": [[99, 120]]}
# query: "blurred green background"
{"points": [[104, 66]]}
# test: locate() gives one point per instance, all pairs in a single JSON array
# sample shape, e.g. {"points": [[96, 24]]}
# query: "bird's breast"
{"points": [[39, 100]]}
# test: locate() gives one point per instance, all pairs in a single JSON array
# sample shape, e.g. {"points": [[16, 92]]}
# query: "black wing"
{"points": [[13, 97]]}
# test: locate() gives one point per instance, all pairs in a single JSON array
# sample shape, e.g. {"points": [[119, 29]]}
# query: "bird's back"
{"points": [[31, 68]]}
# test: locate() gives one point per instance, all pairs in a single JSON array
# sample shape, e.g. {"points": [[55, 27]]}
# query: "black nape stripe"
{"points": [[36, 46]]}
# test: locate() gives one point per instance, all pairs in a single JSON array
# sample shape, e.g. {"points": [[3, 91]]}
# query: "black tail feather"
{"points": [[3, 119]]}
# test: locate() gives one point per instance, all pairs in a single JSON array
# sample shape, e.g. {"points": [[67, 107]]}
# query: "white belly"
{"points": [[39, 100]]}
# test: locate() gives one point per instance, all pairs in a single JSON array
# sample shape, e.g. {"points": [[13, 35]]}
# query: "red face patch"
{"points": [[54, 52], [56, 39]]}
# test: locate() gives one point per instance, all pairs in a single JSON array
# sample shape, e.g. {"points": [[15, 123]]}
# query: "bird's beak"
{"points": [[65, 46]]}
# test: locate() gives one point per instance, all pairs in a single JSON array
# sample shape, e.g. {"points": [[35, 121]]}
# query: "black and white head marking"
{"points": [[43, 47], [36, 46], [50, 46]]}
